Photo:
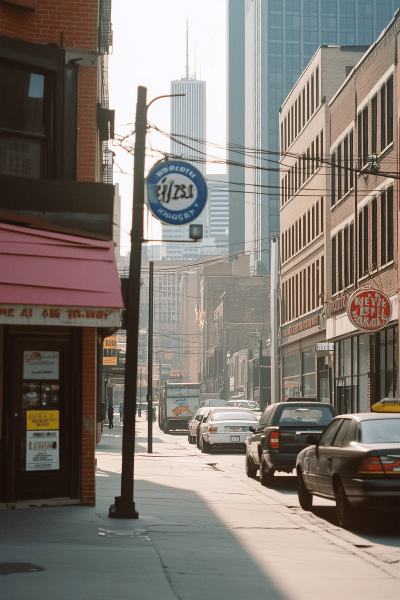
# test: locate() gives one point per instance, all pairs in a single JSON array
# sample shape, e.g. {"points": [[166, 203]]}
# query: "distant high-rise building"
{"points": [[188, 141], [218, 208], [280, 38]]}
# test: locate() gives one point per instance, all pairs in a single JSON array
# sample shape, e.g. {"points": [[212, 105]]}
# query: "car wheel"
{"points": [[305, 497], [251, 470], [346, 513], [198, 441], [266, 474], [204, 446]]}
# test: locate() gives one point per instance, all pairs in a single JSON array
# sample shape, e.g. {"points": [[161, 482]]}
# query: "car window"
{"points": [[379, 431], [228, 415], [304, 415], [341, 434], [329, 433], [265, 416]]}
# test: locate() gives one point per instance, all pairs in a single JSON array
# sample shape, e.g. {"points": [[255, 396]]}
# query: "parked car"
{"points": [[356, 462], [251, 404], [225, 427], [280, 435], [194, 423]]}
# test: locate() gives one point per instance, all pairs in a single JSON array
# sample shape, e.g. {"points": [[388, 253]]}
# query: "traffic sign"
{"points": [[176, 192]]}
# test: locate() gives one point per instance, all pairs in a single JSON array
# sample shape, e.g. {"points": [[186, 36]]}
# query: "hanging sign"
{"points": [[176, 192], [369, 310]]}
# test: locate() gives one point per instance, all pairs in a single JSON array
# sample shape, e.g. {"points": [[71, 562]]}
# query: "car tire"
{"points": [[305, 497], [205, 446], [251, 470], [191, 439], [346, 513], [266, 474]]}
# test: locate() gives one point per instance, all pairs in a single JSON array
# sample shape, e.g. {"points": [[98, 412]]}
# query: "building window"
{"points": [[383, 118], [366, 239], [333, 265], [317, 87], [340, 260], [360, 244], [374, 124], [339, 171], [308, 289], [308, 373], [333, 179], [308, 100], [389, 98], [390, 229], [383, 228], [312, 94], [365, 135], [346, 256], [374, 240], [351, 158], [346, 164], [351, 254]]}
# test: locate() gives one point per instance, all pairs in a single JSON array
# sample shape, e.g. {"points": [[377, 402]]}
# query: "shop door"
{"points": [[344, 404], [40, 446]]}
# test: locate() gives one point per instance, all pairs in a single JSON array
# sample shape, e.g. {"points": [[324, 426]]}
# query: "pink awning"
{"points": [[49, 268]]}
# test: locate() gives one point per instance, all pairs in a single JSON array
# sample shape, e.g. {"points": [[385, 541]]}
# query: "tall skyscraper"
{"points": [[188, 141], [281, 36]]}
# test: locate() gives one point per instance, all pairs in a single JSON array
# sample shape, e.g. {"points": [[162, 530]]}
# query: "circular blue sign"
{"points": [[176, 192]]}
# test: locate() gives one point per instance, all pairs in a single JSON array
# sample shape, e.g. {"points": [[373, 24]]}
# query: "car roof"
{"points": [[302, 403], [370, 416]]}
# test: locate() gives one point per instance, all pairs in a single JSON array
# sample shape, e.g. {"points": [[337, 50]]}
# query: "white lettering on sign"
{"points": [[59, 315]]}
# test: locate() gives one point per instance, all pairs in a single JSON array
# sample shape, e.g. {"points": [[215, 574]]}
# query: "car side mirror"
{"points": [[252, 429], [312, 440]]}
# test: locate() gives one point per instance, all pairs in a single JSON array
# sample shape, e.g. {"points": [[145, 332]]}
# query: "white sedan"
{"points": [[226, 428]]}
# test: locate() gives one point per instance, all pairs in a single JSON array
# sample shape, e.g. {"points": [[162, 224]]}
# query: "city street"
{"points": [[205, 530]]}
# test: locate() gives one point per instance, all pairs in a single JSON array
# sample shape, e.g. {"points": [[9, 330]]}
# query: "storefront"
{"points": [[59, 296], [365, 363]]}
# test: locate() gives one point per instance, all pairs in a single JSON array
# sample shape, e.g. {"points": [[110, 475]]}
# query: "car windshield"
{"points": [[379, 431], [233, 415], [304, 415]]}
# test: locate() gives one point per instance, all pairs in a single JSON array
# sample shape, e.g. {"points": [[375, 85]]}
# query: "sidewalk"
{"points": [[81, 553], [201, 534]]}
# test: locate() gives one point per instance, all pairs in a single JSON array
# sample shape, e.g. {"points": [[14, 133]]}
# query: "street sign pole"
{"points": [[124, 507], [150, 365]]}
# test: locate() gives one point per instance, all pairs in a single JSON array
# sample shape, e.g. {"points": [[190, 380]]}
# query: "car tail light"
{"points": [[274, 440], [371, 465], [391, 465], [213, 429]]}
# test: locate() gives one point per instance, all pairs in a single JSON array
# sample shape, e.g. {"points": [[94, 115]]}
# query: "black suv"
{"points": [[281, 433]]}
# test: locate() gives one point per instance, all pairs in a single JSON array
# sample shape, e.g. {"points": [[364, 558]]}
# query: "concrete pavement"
{"points": [[202, 532]]}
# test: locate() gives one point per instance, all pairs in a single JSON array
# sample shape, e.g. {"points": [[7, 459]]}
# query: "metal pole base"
{"points": [[123, 509]]}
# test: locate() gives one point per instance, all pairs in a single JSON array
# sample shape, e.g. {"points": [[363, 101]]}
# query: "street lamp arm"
{"points": [[166, 96]]}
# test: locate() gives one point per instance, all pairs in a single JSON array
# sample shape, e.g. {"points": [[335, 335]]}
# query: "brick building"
{"points": [[304, 125], [59, 286], [363, 236]]}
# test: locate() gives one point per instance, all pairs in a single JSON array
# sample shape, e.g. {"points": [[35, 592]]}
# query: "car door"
{"points": [[330, 456], [316, 474], [254, 440]]}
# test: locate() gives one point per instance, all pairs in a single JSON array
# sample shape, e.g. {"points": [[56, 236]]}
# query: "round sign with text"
{"points": [[176, 192], [369, 310]]}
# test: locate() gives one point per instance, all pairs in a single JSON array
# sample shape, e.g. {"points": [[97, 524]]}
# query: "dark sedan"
{"points": [[356, 462], [281, 433]]}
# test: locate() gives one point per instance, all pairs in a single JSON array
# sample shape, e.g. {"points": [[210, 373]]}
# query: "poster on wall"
{"points": [[41, 365], [42, 450], [42, 440]]}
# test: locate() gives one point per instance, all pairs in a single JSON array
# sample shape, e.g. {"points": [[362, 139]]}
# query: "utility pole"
{"points": [[150, 365], [124, 507]]}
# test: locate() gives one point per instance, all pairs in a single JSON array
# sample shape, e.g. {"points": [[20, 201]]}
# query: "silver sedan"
{"points": [[226, 428]]}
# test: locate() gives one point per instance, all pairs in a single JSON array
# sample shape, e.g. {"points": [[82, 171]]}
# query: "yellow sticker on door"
{"points": [[42, 419]]}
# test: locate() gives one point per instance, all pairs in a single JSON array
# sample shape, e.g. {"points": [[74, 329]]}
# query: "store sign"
{"points": [[40, 365], [42, 440], [176, 192], [110, 343], [369, 310], [324, 346], [69, 316], [110, 361]]}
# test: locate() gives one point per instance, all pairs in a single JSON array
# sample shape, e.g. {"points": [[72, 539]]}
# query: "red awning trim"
{"points": [[54, 269]]}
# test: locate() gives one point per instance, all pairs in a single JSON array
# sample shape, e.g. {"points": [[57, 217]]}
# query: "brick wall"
{"points": [[89, 343]]}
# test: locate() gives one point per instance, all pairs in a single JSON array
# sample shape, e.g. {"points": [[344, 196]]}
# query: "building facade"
{"points": [[281, 37], [59, 286], [364, 236], [304, 125]]}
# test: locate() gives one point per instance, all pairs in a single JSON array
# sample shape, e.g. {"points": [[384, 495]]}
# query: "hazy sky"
{"points": [[149, 49]]}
